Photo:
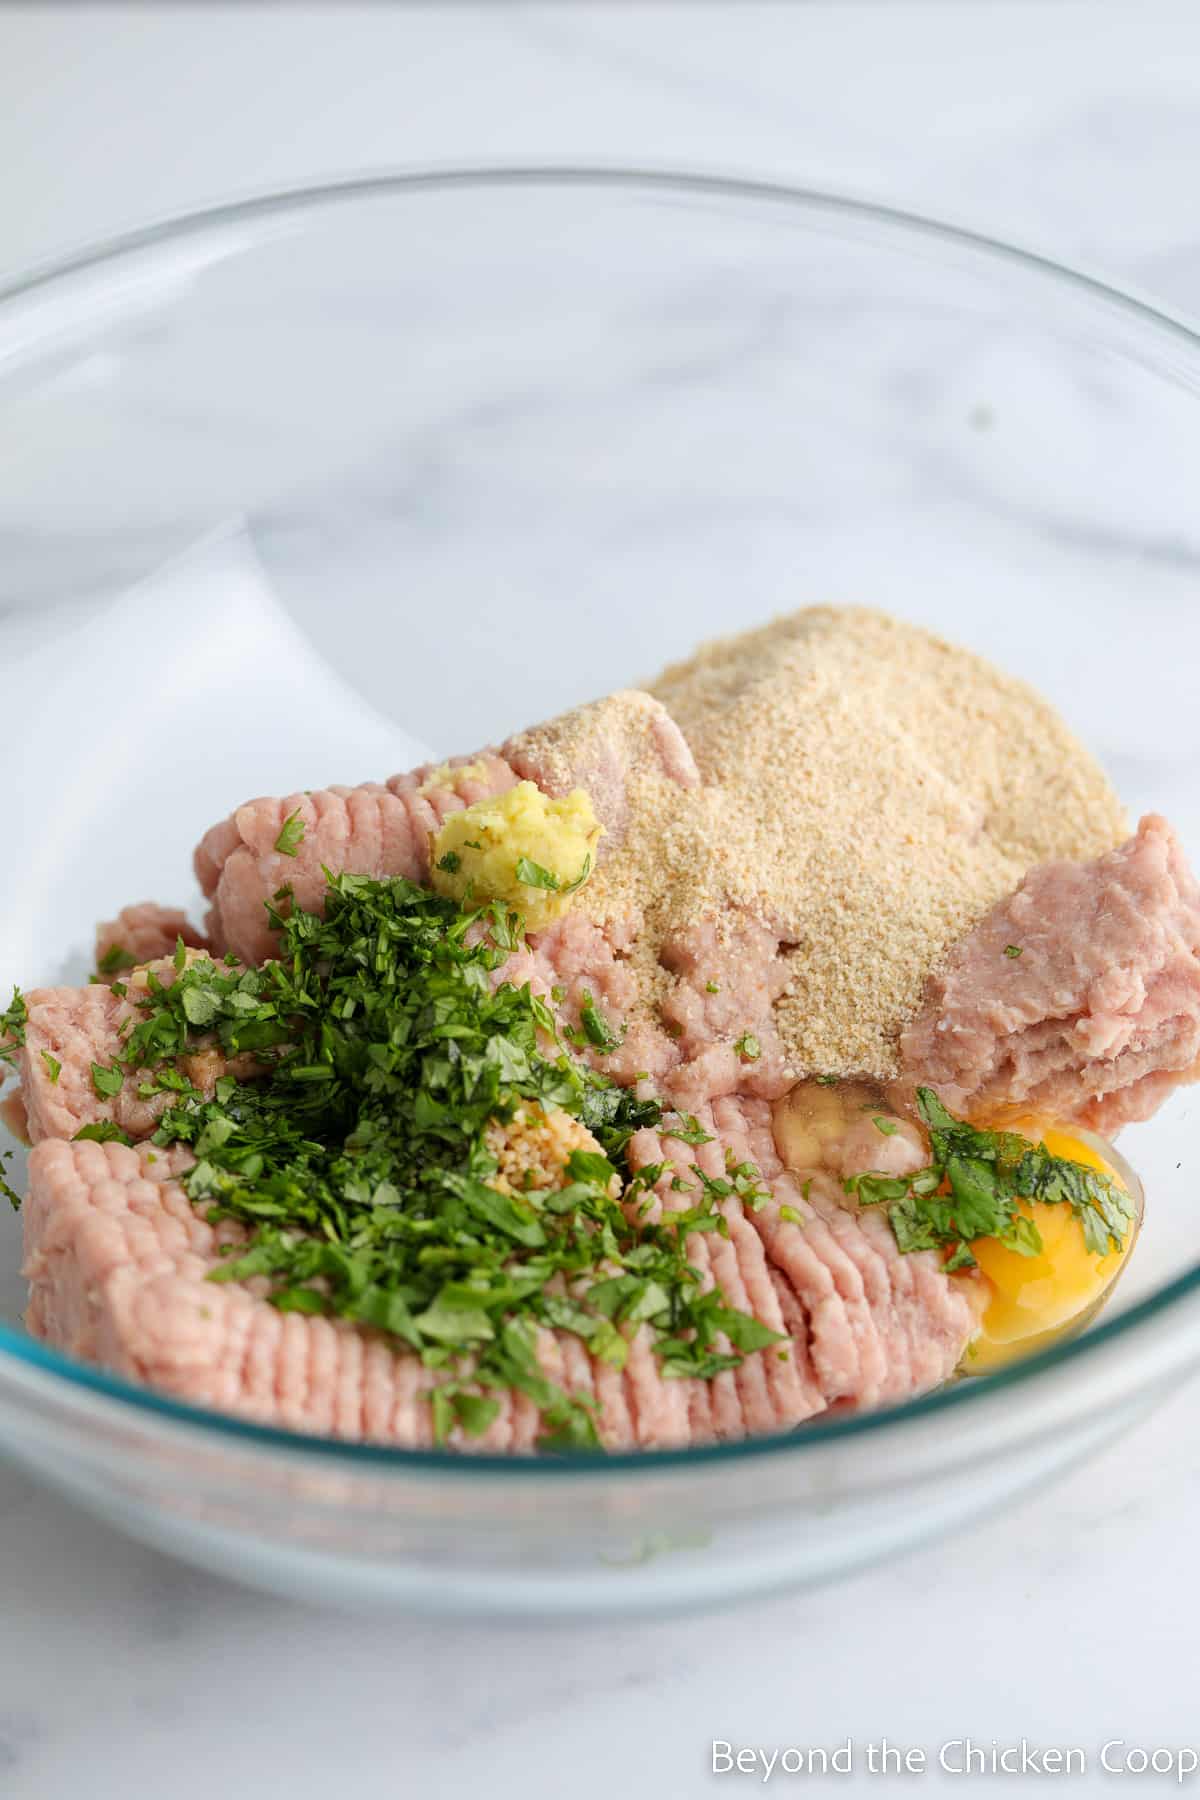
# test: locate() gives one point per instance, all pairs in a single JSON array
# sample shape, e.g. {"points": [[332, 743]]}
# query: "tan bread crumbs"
{"points": [[868, 790]]}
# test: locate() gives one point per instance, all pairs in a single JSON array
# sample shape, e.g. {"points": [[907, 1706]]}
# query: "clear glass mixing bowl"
{"points": [[507, 440]]}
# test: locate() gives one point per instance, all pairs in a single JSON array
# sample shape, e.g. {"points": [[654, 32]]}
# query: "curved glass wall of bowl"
{"points": [[681, 394], [627, 1534], [501, 443], [219, 696]]}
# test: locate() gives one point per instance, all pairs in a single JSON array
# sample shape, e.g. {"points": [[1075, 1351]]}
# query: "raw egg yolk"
{"points": [[1033, 1299]]}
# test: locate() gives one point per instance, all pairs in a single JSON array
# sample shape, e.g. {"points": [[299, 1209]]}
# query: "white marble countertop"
{"points": [[1074, 127]]}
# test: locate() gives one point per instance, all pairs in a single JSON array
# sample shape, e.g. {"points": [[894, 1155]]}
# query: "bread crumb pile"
{"points": [[867, 791]]}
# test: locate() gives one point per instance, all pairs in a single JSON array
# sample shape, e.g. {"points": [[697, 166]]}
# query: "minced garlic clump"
{"points": [[534, 1146], [522, 848]]}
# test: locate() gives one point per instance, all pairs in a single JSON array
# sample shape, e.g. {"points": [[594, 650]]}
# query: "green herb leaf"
{"points": [[973, 1187], [12, 1027], [362, 1160], [103, 1131], [574, 886], [53, 1067], [443, 1414], [744, 1332], [6, 1188], [200, 1005], [300, 1300], [291, 834], [475, 1412], [689, 1130], [875, 1190], [511, 1217], [532, 874], [107, 1082], [115, 959], [596, 1028]]}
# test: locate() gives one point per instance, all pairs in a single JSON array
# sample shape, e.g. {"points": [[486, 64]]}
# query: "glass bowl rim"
{"points": [[317, 196]]}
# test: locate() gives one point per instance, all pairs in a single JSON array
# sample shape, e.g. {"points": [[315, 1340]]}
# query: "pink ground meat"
{"points": [[68, 1030], [384, 829], [117, 1259], [1098, 1016], [1096, 1019], [144, 933], [377, 829]]}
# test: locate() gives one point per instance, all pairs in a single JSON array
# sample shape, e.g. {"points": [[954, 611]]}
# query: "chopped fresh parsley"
{"points": [[531, 874], [972, 1189], [748, 1047], [12, 1027], [712, 987], [104, 1131], [871, 1188], [1013, 950], [53, 1067], [454, 1405], [746, 1181], [115, 958], [107, 1082], [689, 1130], [573, 887], [6, 1188], [451, 862], [291, 834], [740, 1178], [362, 1164], [595, 1029], [826, 1080]]}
